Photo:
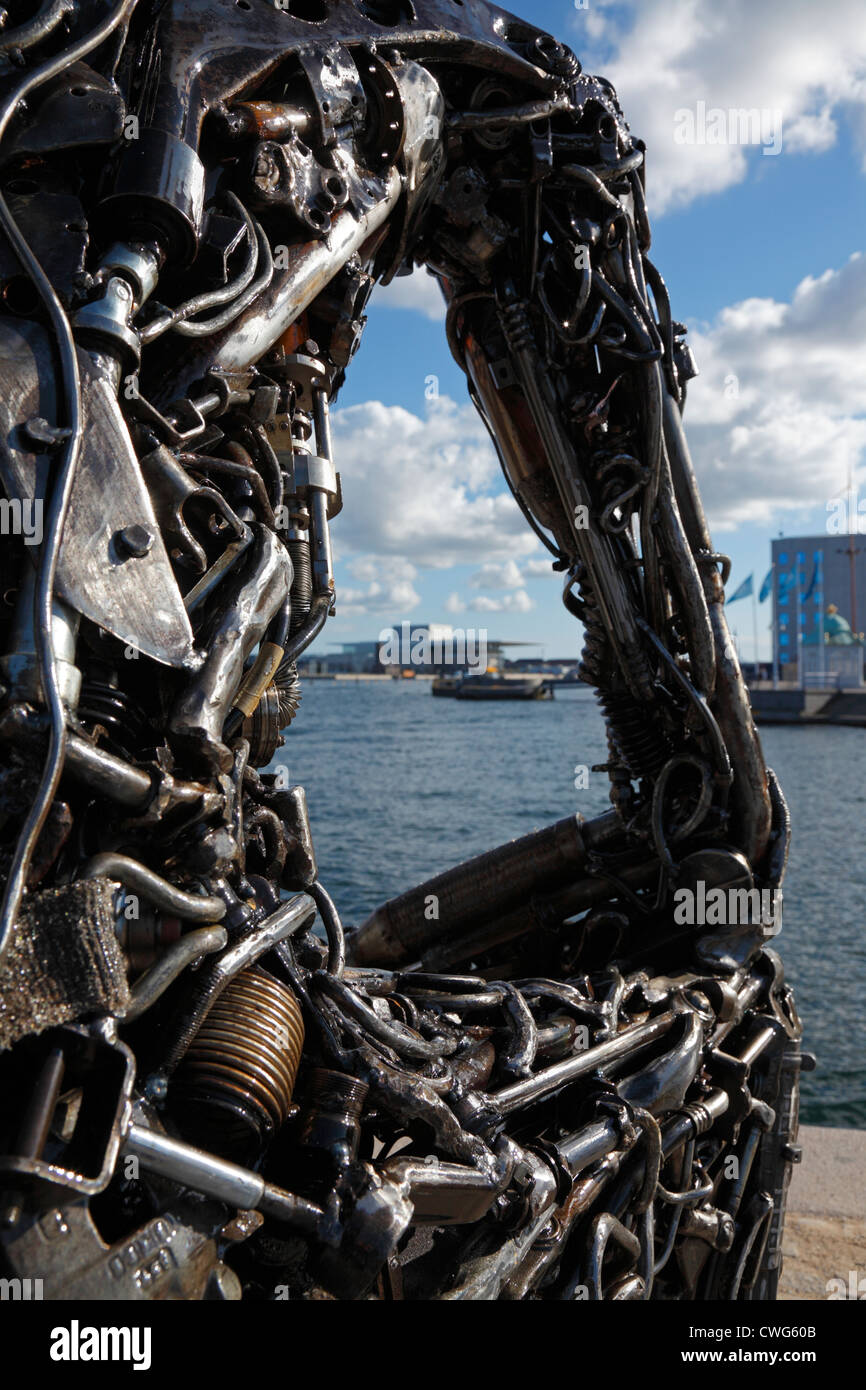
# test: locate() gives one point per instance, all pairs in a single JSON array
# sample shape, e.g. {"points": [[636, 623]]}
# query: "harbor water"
{"points": [[401, 786]]}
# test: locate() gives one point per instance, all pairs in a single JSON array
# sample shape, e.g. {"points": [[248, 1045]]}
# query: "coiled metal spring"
{"points": [[234, 1086], [635, 736], [595, 657]]}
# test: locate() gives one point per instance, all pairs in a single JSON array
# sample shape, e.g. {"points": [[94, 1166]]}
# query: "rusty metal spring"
{"points": [[235, 1083], [595, 657], [632, 732], [635, 737]]}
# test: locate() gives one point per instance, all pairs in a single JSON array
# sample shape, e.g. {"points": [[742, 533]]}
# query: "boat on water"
{"points": [[446, 685], [496, 686]]}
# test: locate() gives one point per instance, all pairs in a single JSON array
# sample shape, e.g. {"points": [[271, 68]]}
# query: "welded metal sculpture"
{"points": [[567, 1069]]}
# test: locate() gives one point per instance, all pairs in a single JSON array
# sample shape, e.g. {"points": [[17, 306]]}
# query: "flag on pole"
{"points": [[787, 581], [767, 586], [745, 589], [812, 581]]}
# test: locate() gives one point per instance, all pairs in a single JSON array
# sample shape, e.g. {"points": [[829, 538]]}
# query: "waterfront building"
{"points": [[810, 574]]}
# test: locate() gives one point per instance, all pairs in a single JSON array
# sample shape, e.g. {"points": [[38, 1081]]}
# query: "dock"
{"points": [[794, 705], [825, 1226]]}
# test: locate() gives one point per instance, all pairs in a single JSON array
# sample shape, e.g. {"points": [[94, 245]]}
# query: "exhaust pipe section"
{"points": [[309, 267], [496, 885]]}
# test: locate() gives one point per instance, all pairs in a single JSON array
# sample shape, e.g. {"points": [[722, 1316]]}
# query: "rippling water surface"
{"points": [[402, 785]]}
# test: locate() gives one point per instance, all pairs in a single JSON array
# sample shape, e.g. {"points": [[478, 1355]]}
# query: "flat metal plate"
{"points": [[136, 599]]}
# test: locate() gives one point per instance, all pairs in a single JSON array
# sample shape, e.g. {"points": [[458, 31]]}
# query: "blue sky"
{"points": [[761, 256]]}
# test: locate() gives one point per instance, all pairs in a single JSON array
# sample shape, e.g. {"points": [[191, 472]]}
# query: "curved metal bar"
{"points": [[333, 928], [697, 816], [725, 771], [605, 1228], [394, 1034], [190, 907], [155, 981], [37, 28], [210, 298], [517, 1057], [203, 328]]}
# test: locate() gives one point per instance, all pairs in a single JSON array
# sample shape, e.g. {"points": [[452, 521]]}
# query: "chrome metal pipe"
{"points": [[217, 1178], [311, 266], [157, 979], [533, 1088], [119, 781], [190, 907]]}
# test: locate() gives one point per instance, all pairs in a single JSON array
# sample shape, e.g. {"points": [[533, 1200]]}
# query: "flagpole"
{"points": [[755, 629], [798, 635], [776, 583], [820, 605]]}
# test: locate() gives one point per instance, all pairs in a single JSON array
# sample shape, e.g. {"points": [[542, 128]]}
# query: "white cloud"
{"points": [[515, 602], [811, 133], [419, 291], [778, 414], [388, 586], [506, 576], [427, 490], [775, 420], [784, 56]]}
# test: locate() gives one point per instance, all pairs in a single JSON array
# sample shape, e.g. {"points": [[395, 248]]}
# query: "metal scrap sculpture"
{"points": [[563, 1083]]}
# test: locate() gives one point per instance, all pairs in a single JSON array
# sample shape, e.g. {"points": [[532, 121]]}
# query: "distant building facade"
{"points": [[811, 573], [355, 658], [833, 652]]}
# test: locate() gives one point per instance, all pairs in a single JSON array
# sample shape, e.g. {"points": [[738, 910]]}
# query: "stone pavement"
{"points": [[825, 1229]]}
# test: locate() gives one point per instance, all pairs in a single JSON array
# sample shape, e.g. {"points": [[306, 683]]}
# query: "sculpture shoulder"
{"points": [[217, 38]]}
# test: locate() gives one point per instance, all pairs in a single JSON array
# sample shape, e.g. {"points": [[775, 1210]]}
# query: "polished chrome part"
{"points": [[20, 665], [217, 1178], [137, 878], [309, 269]]}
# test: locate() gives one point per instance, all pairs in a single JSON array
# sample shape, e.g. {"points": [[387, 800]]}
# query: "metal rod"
{"points": [[130, 786], [190, 907], [561, 1073], [217, 1178], [156, 980]]}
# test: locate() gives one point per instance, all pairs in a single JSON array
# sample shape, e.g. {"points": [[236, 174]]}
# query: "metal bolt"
{"points": [[156, 1086], [135, 540], [46, 436], [727, 1230]]}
